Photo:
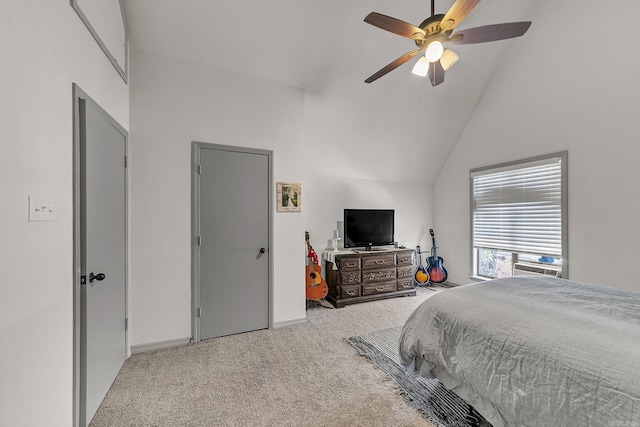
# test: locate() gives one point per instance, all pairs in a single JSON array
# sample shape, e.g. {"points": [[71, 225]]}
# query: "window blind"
{"points": [[518, 208]]}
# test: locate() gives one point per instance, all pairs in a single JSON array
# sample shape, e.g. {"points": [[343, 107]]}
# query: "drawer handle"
{"points": [[379, 289], [351, 293], [350, 264], [379, 261]]}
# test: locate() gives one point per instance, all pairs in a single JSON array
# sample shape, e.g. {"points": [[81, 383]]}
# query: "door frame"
{"points": [[196, 147], [79, 98]]}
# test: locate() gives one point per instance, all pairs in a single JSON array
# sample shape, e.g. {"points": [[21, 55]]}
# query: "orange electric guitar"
{"points": [[317, 288], [421, 276]]}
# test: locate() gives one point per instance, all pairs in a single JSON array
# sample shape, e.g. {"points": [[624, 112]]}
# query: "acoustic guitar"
{"points": [[317, 288], [421, 276], [437, 272]]}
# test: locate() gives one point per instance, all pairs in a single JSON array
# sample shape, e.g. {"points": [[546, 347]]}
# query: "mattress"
{"points": [[532, 350]]}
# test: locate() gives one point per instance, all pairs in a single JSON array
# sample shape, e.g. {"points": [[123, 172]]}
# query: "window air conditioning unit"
{"points": [[531, 269]]}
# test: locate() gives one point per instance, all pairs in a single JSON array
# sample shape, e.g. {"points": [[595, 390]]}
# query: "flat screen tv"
{"points": [[368, 227]]}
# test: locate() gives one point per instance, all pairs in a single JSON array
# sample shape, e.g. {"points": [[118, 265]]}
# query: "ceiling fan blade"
{"points": [[436, 73], [458, 11], [394, 25], [392, 66], [490, 33]]}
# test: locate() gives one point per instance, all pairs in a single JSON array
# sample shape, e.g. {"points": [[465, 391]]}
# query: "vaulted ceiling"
{"points": [[323, 45]]}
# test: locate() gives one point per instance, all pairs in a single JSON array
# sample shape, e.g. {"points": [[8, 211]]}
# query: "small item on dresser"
{"points": [[316, 287], [437, 272], [421, 275], [334, 240]]}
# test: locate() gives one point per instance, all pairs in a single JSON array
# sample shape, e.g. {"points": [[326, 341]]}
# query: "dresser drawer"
{"points": [[369, 276], [349, 263], [404, 258], [379, 288], [404, 284], [405, 272], [349, 277], [350, 291], [379, 261]]}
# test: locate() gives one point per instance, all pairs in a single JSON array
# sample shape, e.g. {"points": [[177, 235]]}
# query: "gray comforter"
{"points": [[532, 351]]}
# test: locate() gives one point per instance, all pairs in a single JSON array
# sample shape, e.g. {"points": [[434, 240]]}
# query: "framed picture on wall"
{"points": [[289, 197]]}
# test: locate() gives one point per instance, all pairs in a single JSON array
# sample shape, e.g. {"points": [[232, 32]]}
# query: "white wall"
{"points": [[369, 148], [329, 195], [172, 104], [566, 85], [45, 48]]}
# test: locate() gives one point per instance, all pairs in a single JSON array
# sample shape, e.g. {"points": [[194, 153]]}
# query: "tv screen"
{"points": [[368, 227]]}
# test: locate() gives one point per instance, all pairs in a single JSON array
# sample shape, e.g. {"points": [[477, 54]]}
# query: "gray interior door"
{"points": [[234, 246], [103, 264]]}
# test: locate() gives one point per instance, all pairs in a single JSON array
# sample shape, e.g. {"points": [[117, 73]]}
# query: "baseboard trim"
{"points": [[294, 322], [142, 348]]}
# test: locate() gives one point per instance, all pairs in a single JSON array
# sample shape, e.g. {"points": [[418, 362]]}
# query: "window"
{"points": [[518, 217]]}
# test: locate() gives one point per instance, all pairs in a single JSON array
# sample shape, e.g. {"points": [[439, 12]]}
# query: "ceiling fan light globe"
{"points": [[448, 58], [434, 51], [421, 68]]}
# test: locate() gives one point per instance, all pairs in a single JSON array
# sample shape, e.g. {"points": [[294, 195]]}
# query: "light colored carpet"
{"points": [[304, 375]]}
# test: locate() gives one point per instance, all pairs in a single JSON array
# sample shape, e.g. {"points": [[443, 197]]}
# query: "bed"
{"points": [[532, 350]]}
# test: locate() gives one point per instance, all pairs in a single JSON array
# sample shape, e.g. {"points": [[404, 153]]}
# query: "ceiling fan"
{"points": [[436, 30]]}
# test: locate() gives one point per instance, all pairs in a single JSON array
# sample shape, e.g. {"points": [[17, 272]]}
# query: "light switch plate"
{"points": [[41, 209]]}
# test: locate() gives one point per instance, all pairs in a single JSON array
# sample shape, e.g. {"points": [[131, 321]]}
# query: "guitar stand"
{"points": [[319, 302], [427, 285], [446, 285]]}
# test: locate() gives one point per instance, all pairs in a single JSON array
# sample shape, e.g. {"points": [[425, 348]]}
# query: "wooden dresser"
{"points": [[361, 276]]}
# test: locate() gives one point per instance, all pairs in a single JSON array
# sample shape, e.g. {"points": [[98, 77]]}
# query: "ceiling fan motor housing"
{"points": [[431, 27]]}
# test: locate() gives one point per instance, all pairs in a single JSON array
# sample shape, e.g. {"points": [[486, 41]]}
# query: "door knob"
{"points": [[99, 277], [262, 250]]}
